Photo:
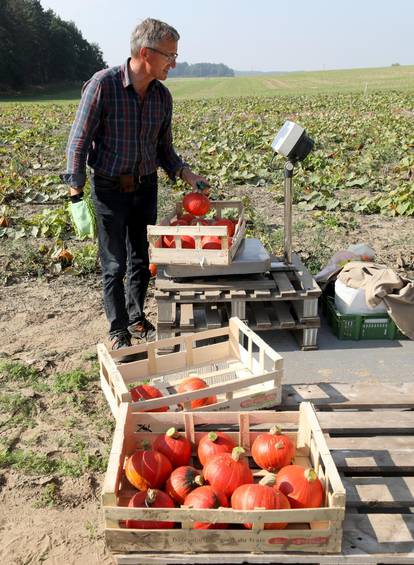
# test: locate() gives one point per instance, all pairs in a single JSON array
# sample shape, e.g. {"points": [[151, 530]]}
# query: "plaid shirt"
{"points": [[116, 132]]}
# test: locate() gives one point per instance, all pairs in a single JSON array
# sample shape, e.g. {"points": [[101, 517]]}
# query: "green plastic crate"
{"points": [[360, 326]]}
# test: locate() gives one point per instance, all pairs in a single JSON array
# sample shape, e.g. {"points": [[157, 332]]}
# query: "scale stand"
{"points": [[288, 170]]}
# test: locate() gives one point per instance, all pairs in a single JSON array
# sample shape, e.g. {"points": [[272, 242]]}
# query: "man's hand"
{"points": [[192, 179], [74, 191]]}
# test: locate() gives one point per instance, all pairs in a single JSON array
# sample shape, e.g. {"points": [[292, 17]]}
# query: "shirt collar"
{"points": [[126, 79]]}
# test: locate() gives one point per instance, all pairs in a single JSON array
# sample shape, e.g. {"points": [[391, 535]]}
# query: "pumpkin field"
{"points": [[357, 186]]}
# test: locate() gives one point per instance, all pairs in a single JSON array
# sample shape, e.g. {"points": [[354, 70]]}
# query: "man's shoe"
{"points": [[122, 341], [143, 330]]}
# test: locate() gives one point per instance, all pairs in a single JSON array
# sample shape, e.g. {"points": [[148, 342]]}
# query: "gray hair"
{"points": [[149, 33]]}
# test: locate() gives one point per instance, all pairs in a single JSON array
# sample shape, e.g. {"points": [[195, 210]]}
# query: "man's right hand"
{"points": [[73, 191]]}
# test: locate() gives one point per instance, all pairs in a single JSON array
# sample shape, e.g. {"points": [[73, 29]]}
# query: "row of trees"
{"points": [[201, 70], [37, 47]]}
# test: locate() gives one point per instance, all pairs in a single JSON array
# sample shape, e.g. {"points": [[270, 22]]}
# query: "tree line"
{"points": [[37, 47], [201, 70]]}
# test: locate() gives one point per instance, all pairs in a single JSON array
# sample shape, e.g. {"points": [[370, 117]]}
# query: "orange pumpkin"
{"points": [[147, 468], [195, 383], [196, 203]]}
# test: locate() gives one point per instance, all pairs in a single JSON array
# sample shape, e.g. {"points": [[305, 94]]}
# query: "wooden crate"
{"points": [[197, 256], [241, 369], [317, 530], [369, 428]]}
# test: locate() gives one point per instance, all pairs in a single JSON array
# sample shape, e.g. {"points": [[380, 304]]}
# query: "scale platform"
{"points": [[251, 258]]}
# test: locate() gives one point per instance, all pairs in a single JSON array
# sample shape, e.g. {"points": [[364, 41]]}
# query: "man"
{"points": [[122, 130]]}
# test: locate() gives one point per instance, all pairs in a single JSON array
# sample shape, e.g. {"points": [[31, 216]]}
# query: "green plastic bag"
{"points": [[83, 218]]}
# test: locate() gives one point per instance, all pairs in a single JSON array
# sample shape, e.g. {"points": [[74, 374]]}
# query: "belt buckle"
{"points": [[126, 183]]}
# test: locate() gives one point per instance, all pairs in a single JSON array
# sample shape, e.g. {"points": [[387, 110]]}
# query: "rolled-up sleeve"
{"points": [[82, 133]]}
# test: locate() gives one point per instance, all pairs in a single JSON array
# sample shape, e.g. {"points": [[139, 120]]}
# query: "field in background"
{"points": [[302, 83], [318, 82]]}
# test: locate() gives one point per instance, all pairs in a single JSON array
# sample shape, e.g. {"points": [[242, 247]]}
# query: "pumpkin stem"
{"points": [[310, 475], [172, 432], [145, 444], [150, 497], [212, 436], [275, 430], [268, 480], [198, 480], [237, 452]]}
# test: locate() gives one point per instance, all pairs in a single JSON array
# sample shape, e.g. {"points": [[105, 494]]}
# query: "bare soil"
{"points": [[53, 324]]}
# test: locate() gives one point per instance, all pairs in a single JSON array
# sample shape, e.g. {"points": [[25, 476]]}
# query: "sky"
{"points": [[259, 35]]}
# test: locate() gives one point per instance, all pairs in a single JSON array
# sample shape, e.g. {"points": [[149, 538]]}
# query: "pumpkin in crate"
{"points": [[187, 218], [175, 446], [195, 383], [301, 486], [224, 222], [147, 392], [206, 497], [152, 498], [210, 242], [261, 495], [199, 222], [187, 242], [227, 471], [147, 468], [196, 203], [212, 444], [273, 450], [182, 481]]}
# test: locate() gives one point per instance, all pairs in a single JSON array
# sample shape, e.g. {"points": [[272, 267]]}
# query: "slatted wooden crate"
{"points": [[317, 530], [285, 299], [197, 256], [240, 368], [369, 429]]}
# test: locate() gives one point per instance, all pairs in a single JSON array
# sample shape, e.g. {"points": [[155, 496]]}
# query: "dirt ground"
{"points": [[53, 324]]}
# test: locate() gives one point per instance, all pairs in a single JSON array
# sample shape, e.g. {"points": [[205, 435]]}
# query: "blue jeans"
{"points": [[122, 219]]}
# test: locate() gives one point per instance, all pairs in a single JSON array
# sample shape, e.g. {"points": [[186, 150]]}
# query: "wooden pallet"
{"points": [[315, 530], [270, 301], [372, 443], [241, 370]]}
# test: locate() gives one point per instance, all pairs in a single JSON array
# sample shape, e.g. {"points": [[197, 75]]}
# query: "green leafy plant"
{"points": [[85, 260], [72, 381]]}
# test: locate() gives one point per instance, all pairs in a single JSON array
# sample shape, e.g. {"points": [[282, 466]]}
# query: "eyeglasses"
{"points": [[172, 57]]}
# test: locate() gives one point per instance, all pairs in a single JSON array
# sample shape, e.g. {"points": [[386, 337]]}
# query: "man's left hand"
{"points": [[192, 179]]}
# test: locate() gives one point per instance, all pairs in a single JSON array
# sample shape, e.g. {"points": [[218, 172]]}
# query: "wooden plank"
{"points": [[369, 539], [261, 317], [186, 316], [284, 316], [367, 423], [251, 282], [261, 294], [212, 316], [349, 395], [379, 492], [375, 455], [283, 283], [212, 294], [306, 280]]}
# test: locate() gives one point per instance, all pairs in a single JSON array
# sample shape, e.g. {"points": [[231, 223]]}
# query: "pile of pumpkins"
{"points": [[144, 392], [197, 205], [220, 478]]}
